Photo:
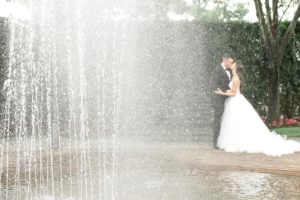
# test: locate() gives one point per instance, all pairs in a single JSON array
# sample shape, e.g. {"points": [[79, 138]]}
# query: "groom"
{"points": [[220, 79]]}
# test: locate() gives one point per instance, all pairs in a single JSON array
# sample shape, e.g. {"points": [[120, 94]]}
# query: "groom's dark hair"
{"points": [[227, 55]]}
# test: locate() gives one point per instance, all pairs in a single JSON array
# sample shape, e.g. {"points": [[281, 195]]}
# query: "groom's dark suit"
{"points": [[219, 80]]}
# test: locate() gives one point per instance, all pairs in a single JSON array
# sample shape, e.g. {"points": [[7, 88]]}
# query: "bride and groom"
{"points": [[237, 125]]}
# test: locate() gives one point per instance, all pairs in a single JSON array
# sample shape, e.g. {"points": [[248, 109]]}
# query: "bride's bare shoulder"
{"points": [[236, 79]]}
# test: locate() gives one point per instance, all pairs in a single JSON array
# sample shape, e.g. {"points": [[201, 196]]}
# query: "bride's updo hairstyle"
{"points": [[239, 71]]}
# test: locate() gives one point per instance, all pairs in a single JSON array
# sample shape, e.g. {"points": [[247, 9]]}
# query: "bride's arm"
{"points": [[231, 92]]}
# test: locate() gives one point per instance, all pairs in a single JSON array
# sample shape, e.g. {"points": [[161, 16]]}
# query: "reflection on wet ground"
{"points": [[148, 170], [161, 175]]}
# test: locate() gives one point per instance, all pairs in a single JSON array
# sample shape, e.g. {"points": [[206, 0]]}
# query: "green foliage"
{"points": [[290, 131], [240, 12], [290, 78], [221, 12]]}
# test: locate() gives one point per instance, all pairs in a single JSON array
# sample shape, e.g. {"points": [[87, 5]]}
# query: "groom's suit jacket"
{"points": [[219, 80]]}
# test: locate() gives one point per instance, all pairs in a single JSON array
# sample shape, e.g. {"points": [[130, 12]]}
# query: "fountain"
{"points": [[79, 78], [62, 103]]}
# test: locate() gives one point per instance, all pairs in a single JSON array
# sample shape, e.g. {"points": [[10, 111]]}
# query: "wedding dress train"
{"points": [[242, 130]]}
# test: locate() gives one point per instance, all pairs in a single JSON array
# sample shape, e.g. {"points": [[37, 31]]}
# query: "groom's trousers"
{"points": [[217, 125], [218, 112]]}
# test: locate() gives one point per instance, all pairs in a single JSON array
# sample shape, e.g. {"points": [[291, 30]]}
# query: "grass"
{"points": [[289, 131]]}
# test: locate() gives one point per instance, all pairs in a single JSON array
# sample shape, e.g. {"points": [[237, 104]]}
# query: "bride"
{"points": [[242, 129]]}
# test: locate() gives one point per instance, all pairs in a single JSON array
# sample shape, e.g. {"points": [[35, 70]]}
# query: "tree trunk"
{"points": [[275, 60], [275, 45], [274, 94]]}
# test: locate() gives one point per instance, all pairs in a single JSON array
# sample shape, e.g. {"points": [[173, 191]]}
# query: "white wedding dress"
{"points": [[242, 130]]}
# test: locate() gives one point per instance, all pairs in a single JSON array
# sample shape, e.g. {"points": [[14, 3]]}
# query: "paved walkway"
{"points": [[204, 156], [152, 170]]}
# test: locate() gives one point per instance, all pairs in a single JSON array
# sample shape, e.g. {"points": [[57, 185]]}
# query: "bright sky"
{"points": [[7, 9], [20, 12]]}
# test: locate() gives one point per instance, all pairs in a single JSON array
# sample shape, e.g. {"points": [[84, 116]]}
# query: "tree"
{"points": [[275, 43]]}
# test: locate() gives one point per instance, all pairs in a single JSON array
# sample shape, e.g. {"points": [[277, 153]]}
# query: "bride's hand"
{"points": [[218, 91]]}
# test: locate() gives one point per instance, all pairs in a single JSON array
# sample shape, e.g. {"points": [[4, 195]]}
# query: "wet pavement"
{"points": [[156, 170], [164, 171]]}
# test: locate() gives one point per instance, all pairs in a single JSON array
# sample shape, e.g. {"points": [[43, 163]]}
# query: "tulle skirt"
{"points": [[242, 130]]}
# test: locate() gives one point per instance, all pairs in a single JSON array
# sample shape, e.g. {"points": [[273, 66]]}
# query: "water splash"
{"points": [[56, 129], [83, 75]]}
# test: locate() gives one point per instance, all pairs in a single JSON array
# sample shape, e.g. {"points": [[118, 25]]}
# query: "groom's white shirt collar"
{"points": [[227, 72], [223, 66]]}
